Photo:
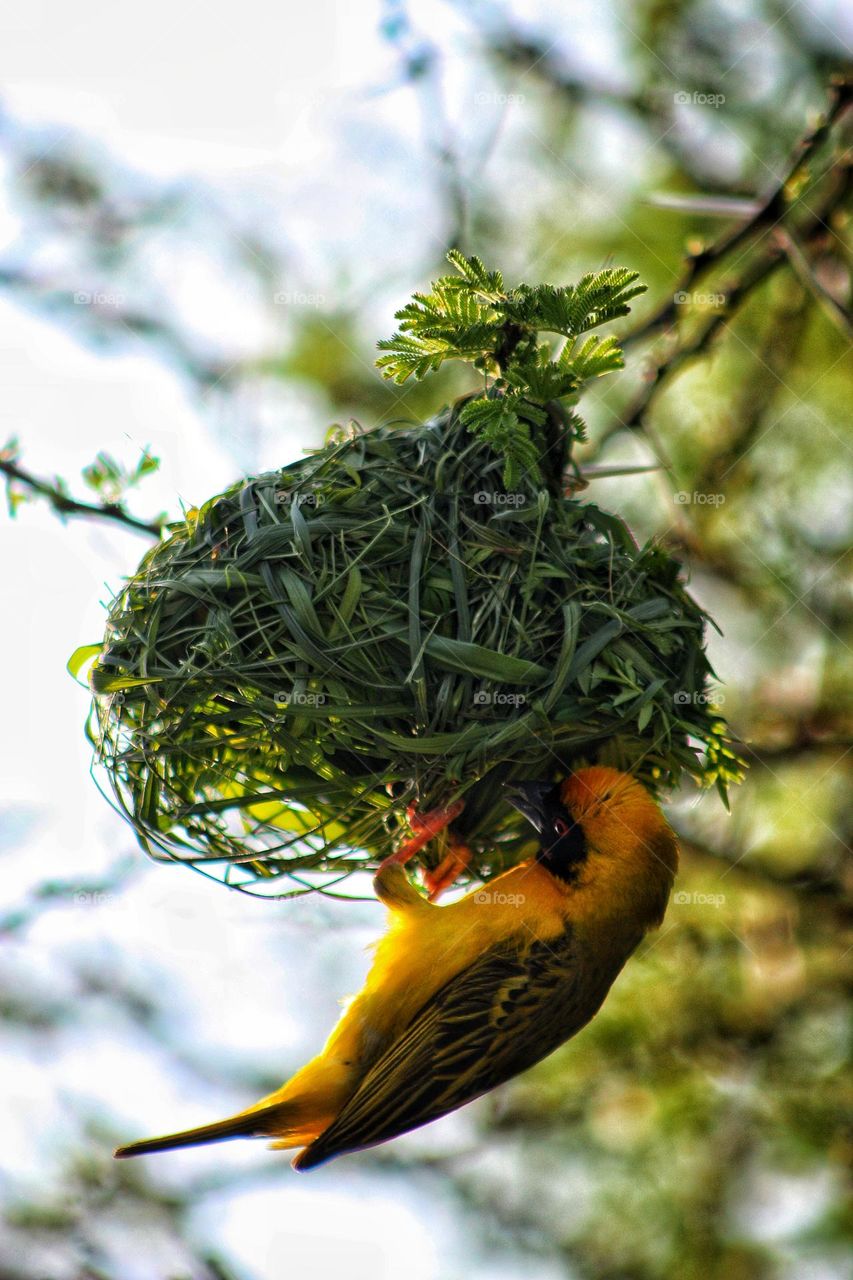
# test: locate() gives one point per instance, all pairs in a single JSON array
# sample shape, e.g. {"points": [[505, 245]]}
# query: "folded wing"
{"points": [[507, 1011]]}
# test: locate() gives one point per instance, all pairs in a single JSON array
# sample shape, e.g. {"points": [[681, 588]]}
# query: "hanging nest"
{"points": [[407, 617], [381, 625]]}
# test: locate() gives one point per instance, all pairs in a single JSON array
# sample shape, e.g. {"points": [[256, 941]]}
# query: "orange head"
{"points": [[605, 838]]}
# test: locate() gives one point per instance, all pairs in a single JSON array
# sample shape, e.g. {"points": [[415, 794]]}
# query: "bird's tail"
{"points": [[262, 1122]]}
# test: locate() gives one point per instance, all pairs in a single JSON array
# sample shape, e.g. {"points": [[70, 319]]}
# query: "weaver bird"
{"points": [[461, 998]]}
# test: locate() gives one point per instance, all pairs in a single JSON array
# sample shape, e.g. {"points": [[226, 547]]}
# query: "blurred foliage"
{"points": [[697, 1128]]}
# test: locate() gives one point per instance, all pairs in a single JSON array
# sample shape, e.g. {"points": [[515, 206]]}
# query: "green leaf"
{"points": [[475, 660], [497, 421], [592, 358], [488, 282], [470, 316], [571, 627], [83, 654], [591, 648], [103, 681], [486, 416]]}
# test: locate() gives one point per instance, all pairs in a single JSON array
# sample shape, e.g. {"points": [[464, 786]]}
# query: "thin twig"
{"points": [[759, 270], [64, 505], [795, 254], [701, 342], [770, 211]]}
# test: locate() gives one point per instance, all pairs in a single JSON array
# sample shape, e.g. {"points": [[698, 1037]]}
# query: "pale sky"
{"points": [[269, 109], [247, 99]]}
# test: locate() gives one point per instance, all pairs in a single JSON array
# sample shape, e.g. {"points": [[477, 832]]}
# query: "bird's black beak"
{"points": [[531, 799]]}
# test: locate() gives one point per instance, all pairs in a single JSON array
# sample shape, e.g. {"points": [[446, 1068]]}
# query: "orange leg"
{"points": [[426, 826], [447, 871]]}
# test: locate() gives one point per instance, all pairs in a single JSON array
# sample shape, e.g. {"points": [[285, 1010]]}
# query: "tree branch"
{"points": [[798, 259], [64, 505], [771, 210], [760, 267]]}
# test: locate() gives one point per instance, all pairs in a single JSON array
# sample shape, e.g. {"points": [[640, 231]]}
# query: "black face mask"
{"points": [[563, 846]]}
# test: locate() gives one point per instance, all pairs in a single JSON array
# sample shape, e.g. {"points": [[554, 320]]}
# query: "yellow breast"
{"points": [[423, 949]]}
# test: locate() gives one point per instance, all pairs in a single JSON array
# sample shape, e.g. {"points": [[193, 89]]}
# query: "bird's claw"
{"points": [[426, 826], [447, 872]]}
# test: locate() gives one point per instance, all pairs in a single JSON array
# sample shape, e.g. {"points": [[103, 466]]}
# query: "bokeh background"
{"points": [[207, 217]]}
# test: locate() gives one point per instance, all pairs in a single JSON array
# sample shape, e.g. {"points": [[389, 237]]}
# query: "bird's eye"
{"points": [[561, 827]]}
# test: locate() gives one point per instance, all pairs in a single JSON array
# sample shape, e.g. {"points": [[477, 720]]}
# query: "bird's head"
{"points": [[601, 831]]}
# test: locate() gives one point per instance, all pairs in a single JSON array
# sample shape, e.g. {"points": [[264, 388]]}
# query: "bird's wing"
{"points": [[507, 1011]]}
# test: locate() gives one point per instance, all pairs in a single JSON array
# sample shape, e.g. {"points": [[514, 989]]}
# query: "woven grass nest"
{"points": [[387, 623]]}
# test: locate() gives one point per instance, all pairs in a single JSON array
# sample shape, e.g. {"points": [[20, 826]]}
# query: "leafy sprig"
{"points": [[471, 316], [109, 479]]}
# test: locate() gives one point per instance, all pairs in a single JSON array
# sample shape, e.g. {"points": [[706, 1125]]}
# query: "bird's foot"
{"points": [[448, 871], [426, 826], [394, 888]]}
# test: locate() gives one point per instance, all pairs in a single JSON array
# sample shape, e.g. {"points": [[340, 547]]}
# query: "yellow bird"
{"points": [[461, 998]]}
